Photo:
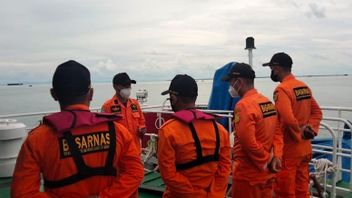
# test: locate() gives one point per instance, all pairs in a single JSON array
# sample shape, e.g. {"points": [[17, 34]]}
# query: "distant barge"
{"points": [[14, 84]]}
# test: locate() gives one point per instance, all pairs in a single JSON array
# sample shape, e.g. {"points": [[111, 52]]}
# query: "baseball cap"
{"points": [[71, 79], [280, 59], [182, 85], [242, 70], [122, 79]]}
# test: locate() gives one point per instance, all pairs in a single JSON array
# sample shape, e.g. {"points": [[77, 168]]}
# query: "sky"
{"points": [[157, 39]]}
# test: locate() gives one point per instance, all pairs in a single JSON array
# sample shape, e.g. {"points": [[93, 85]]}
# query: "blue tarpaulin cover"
{"points": [[220, 99]]}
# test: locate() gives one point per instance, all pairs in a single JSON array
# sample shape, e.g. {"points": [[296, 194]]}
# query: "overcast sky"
{"points": [[156, 39]]}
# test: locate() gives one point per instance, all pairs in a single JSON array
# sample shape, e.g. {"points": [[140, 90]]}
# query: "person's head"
{"points": [[122, 85], [183, 92], [280, 66], [241, 79], [71, 84]]}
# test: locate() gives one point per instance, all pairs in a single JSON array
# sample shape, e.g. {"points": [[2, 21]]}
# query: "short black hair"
{"points": [[67, 101], [249, 81], [287, 69]]}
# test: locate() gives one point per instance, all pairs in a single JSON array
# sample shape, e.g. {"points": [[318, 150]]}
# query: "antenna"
{"points": [[250, 47]]}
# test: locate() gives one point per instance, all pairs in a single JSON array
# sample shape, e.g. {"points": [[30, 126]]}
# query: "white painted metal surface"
{"points": [[12, 134]]}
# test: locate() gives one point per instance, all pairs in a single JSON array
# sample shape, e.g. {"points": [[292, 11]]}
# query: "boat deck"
{"points": [[151, 187]]}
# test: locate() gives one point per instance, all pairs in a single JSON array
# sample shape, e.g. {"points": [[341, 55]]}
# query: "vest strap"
{"points": [[200, 158], [84, 171]]}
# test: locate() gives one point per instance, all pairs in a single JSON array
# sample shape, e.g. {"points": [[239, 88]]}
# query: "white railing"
{"points": [[333, 153], [334, 125], [337, 124]]}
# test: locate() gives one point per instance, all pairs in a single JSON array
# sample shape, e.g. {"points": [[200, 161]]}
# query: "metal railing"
{"points": [[337, 125], [333, 153], [335, 129]]}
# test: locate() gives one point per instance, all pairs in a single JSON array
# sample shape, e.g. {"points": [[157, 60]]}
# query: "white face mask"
{"points": [[232, 91], [125, 93]]}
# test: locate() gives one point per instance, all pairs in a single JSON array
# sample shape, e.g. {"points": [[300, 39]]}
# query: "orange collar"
{"points": [[288, 77], [250, 93], [119, 102], [77, 107]]}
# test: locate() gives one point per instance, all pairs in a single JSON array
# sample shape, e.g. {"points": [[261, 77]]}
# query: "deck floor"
{"points": [[151, 187]]}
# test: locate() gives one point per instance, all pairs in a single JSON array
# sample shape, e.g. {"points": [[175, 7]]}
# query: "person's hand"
{"points": [[269, 161], [307, 132], [141, 132], [275, 165]]}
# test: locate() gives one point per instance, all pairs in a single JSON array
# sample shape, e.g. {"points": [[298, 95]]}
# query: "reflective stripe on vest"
{"points": [[85, 171], [200, 158]]}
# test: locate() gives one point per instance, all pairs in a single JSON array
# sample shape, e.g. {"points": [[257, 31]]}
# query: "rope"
{"points": [[151, 148], [322, 168], [152, 144]]}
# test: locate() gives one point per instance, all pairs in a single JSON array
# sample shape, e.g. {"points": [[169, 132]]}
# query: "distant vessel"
{"points": [[14, 84]]}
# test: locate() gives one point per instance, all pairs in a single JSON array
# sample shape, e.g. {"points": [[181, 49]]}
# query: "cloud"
{"points": [[156, 39], [316, 11], [104, 66]]}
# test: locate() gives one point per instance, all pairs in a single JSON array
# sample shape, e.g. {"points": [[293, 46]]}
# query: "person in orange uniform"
{"points": [[128, 108], [193, 149], [257, 136], [78, 153], [300, 117]]}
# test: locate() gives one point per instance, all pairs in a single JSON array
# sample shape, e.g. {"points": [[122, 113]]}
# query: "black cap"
{"points": [[183, 85], [242, 70], [71, 79], [280, 59], [122, 79]]}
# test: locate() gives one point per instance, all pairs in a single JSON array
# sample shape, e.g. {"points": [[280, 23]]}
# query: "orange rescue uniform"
{"points": [[177, 146], [257, 134], [44, 152], [296, 107], [132, 115]]}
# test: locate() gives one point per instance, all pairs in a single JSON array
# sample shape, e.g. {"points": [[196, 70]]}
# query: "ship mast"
{"points": [[250, 47]]}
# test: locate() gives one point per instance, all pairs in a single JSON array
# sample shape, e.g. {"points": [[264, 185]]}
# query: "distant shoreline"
{"points": [[101, 81], [313, 75], [306, 75]]}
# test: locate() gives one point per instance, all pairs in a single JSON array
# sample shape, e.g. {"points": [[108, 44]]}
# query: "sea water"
{"points": [[328, 91]]}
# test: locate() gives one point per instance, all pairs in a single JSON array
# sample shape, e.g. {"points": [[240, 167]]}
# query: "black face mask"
{"points": [[274, 77], [173, 106]]}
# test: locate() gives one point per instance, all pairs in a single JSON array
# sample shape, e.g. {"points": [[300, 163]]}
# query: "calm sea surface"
{"points": [[328, 91]]}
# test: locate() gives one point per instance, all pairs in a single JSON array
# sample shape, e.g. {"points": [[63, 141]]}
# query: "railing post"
{"points": [[350, 162], [230, 122], [339, 139], [334, 157], [160, 122]]}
